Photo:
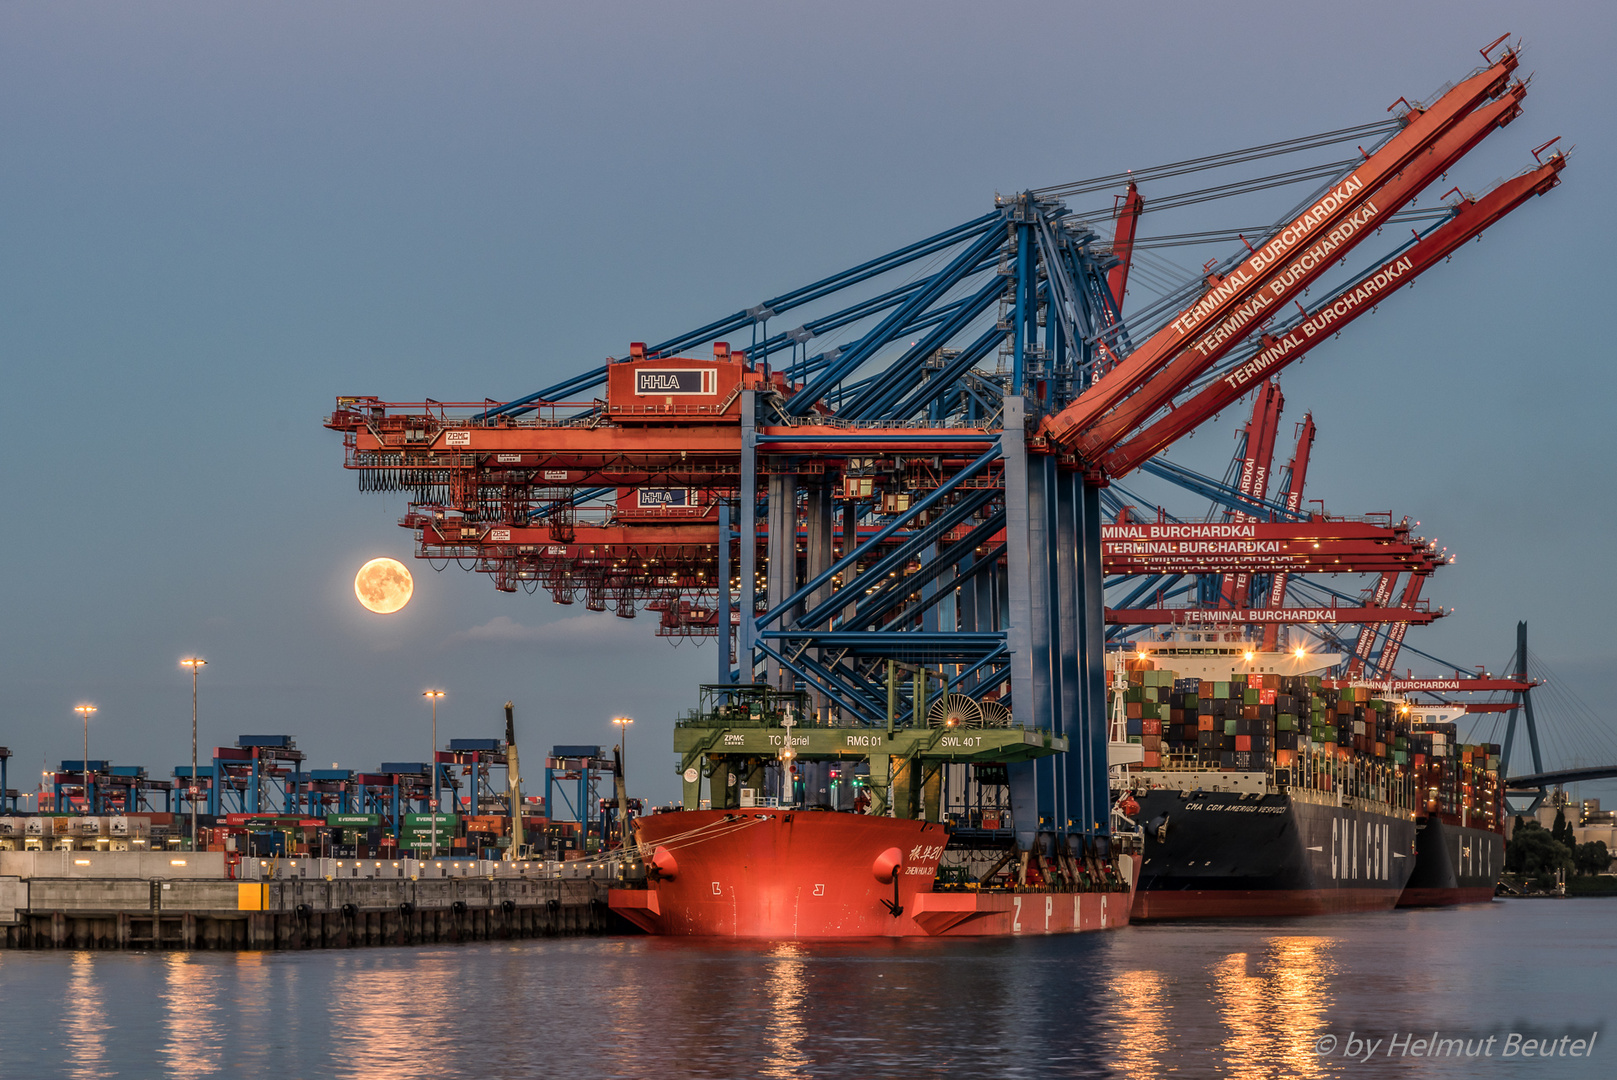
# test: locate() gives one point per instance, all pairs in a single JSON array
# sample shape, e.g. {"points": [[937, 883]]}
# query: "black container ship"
{"points": [[1267, 791], [1460, 842]]}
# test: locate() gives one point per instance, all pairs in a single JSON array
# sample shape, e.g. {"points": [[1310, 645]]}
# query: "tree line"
{"points": [[1537, 853]]}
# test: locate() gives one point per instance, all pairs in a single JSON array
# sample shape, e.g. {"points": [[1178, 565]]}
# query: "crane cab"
{"points": [[675, 388]]}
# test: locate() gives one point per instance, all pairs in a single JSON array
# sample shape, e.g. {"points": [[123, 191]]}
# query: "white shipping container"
{"points": [[129, 827], [12, 826]]}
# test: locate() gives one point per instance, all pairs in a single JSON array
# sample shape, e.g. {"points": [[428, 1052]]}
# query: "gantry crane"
{"points": [[912, 474]]}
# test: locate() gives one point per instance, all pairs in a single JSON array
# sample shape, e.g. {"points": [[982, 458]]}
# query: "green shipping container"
{"points": [[423, 822], [353, 821]]}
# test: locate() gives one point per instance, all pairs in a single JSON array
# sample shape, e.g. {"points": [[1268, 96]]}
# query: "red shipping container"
{"points": [[1204, 723], [1132, 708], [1153, 760], [1266, 697], [1243, 743]]}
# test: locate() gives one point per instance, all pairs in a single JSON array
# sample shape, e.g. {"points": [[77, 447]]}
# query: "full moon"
{"points": [[383, 586]]}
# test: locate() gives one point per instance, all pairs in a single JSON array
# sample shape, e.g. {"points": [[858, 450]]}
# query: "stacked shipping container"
{"points": [[1303, 731]]}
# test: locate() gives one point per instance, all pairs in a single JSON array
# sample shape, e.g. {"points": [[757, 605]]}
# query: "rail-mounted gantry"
{"points": [[911, 471]]}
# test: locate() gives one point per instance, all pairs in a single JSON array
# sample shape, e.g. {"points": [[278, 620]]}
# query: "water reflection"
{"points": [[1245, 999], [195, 1042], [1141, 1023], [787, 982], [383, 1027], [85, 1021], [1273, 1007], [1303, 972]]}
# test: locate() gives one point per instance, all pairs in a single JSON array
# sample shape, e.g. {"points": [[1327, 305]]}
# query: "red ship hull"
{"points": [[1478, 894], [784, 874], [1258, 903]]}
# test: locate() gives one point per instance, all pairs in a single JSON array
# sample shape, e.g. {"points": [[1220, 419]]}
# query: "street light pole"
{"points": [[432, 766], [623, 723], [85, 711], [194, 663]]}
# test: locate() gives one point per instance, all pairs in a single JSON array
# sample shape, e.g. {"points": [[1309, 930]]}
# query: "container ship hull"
{"points": [[793, 874], [1454, 864], [1225, 855]]}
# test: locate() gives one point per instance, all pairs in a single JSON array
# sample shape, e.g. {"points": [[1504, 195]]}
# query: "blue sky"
{"points": [[214, 219]]}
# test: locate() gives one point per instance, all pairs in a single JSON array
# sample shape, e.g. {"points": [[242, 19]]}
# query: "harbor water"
{"points": [[1357, 995]]}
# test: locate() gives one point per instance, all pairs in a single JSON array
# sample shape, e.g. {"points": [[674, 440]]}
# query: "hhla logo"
{"points": [[675, 381]]}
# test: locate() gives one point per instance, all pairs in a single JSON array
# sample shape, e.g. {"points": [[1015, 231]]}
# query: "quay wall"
{"points": [[290, 904]]}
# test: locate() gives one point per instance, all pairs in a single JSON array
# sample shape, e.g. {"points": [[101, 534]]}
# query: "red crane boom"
{"points": [[1296, 274], [1225, 296], [1128, 221], [1294, 503], [1400, 627], [1253, 482], [1470, 218], [1367, 633]]}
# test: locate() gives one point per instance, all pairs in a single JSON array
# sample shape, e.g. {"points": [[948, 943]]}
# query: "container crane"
{"points": [[926, 491]]}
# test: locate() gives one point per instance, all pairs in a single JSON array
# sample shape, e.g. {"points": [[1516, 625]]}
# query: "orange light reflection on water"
{"points": [[195, 1042], [1142, 1024], [1273, 1008], [787, 983], [85, 1023], [377, 1011]]}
